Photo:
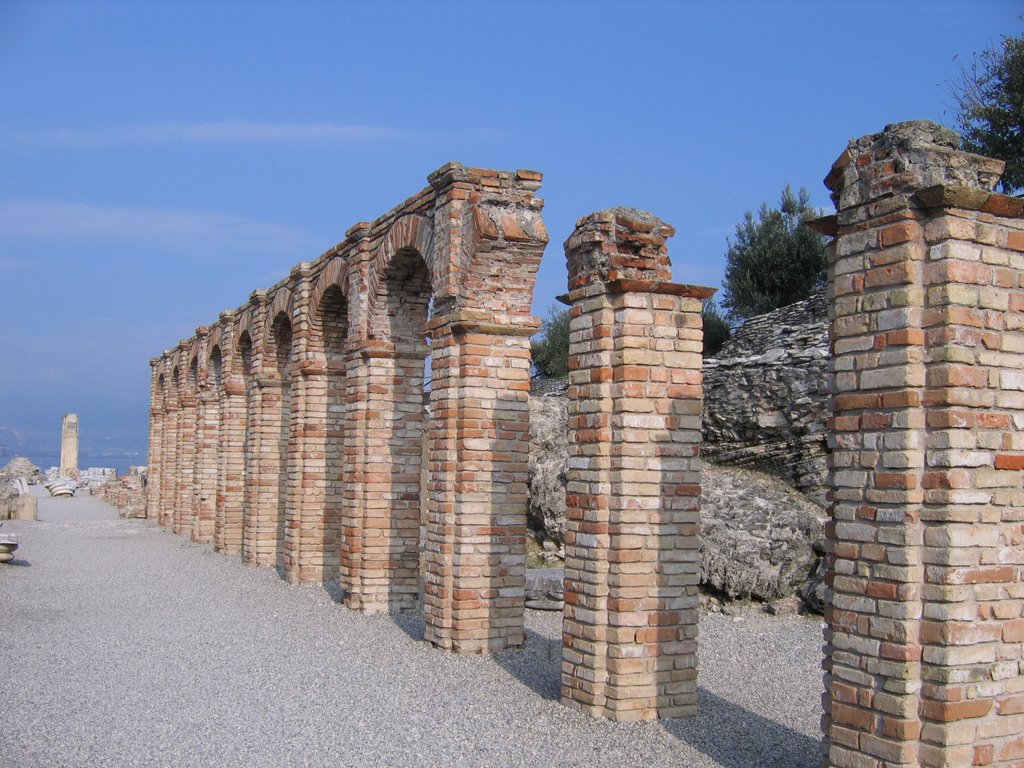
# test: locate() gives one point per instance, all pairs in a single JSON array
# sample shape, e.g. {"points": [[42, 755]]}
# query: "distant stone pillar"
{"points": [[69, 445], [925, 550], [633, 495]]}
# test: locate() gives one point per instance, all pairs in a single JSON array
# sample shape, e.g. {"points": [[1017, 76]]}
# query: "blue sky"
{"points": [[160, 160]]}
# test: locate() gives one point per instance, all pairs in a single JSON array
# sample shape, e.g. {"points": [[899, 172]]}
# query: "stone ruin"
{"points": [[287, 432], [766, 397]]}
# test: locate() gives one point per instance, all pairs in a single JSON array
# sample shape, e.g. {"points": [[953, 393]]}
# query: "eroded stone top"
{"points": [[618, 244], [904, 158]]}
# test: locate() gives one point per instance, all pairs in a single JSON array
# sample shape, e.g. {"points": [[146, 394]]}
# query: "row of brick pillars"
{"points": [[290, 432], [925, 641]]}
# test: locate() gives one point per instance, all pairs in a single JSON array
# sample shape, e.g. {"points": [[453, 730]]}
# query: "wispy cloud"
{"points": [[221, 132], [165, 229]]}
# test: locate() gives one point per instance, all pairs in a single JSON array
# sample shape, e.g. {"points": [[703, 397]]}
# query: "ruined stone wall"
{"points": [[290, 430], [766, 397]]}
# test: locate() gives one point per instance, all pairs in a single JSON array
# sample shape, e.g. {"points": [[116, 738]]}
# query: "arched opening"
{"points": [[395, 434], [280, 418], [249, 469]]}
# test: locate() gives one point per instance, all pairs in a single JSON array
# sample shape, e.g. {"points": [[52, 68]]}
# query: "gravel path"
{"points": [[123, 645]]}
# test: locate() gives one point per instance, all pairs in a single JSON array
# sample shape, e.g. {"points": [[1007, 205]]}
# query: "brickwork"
{"points": [[924, 648], [633, 495], [205, 463], [292, 428], [156, 441]]}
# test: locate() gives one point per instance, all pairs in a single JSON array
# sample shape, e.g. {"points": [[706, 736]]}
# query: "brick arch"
{"points": [[413, 232], [282, 303], [333, 275], [216, 366], [245, 327]]}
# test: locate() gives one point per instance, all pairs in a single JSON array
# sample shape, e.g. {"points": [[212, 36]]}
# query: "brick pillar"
{"points": [[169, 451], [925, 538], [305, 555], [633, 495], [204, 471], [476, 521], [156, 424], [259, 535], [382, 540], [183, 510], [231, 444]]}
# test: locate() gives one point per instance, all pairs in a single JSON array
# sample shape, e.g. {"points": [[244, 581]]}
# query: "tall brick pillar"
{"points": [[304, 538], [384, 384], [183, 512], [489, 228], [231, 443], [479, 448], [156, 424], [259, 535], [926, 544], [169, 451], [633, 495], [204, 471]]}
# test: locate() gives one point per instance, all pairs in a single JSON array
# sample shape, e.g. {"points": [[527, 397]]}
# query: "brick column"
{"points": [[259, 534], [382, 540], [927, 312], [305, 555], [204, 471], [156, 424], [231, 443], [183, 513], [633, 495], [169, 450], [479, 445]]}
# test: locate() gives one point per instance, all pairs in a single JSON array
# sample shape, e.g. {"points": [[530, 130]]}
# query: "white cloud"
{"points": [[210, 132], [163, 229]]}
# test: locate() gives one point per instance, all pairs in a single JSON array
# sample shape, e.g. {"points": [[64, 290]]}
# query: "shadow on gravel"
{"points": [[537, 666], [410, 622], [335, 591], [735, 737], [18, 563]]}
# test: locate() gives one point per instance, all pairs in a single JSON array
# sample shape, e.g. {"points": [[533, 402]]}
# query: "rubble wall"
{"points": [[766, 397]]}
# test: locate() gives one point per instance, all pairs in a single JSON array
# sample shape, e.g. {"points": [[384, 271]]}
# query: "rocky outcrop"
{"points": [[549, 447], [766, 397], [761, 539]]}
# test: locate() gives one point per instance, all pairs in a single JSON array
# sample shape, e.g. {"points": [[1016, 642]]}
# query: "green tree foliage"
{"points": [[990, 96], [716, 328], [775, 260], [551, 350]]}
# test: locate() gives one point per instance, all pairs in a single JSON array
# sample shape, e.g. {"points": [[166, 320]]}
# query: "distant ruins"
{"points": [[290, 431], [69, 445]]}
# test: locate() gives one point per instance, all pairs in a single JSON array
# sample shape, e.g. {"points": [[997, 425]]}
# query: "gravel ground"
{"points": [[124, 645]]}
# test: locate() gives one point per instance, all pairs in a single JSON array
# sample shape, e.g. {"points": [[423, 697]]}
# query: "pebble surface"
{"points": [[125, 645]]}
